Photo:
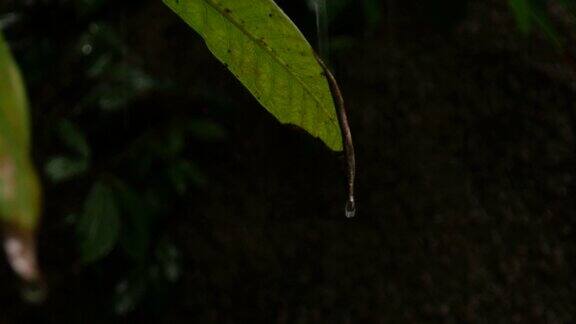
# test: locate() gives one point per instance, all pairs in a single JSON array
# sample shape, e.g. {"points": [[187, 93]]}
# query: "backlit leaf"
{"points": [[263, 48]]}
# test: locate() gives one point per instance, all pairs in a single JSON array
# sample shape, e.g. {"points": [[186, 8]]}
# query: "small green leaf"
{"points": [[263, 48], [99, 225]]}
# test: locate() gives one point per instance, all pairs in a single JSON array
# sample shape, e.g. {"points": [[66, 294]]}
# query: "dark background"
{"points": [[465, 136]]}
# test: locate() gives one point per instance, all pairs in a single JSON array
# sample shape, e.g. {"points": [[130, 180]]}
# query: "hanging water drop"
{"points": [[320, 8], [350, 209]]}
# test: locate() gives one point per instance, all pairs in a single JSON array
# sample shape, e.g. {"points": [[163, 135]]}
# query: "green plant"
{"points": [[265, 51], [19, 187], [256, 41], [263, 48]]}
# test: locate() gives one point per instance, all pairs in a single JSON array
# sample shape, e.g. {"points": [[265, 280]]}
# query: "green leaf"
{"points": [[19, 187], [263, 48], [98, 227]]}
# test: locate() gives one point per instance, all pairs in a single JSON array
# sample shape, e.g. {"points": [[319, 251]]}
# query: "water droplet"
{"points": [[350, 209]]}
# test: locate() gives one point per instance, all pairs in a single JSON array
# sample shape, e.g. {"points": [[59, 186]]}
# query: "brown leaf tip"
{"points": [[20, 248]]}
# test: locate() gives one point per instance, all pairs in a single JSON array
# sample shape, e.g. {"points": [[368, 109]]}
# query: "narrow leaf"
{"points": [[19, 186], [99, 225], [263, 48]]}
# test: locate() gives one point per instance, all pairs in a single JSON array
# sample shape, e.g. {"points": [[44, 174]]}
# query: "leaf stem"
{"points": [[347, 142]]}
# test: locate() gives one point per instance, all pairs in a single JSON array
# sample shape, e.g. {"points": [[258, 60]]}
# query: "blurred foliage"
{"points": [[103, 79]]}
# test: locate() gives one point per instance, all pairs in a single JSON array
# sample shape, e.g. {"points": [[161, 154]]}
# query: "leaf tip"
{"points": [[20, 248]]}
